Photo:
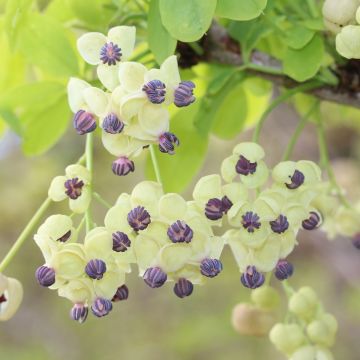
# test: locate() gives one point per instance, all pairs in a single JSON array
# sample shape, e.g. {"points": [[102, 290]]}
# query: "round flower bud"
{"points": [[304, 303], [45, 276], [167, 142], [84, 122], [322, 331], [213, 209], [155, 91], [123, 166], [79, 312], [210, 267], [139, 218], [250, 320], [312, 222], [183, 288], [179, 231], [101, 307], [122, 293], [251, 278], [265, 297], [287, 337], [121, 241], [183, 95], [95, 269], [283, 270], [312, 352], [154, 277], [112, 124]]}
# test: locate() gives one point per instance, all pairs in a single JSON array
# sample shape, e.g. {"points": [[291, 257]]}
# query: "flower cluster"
{"points": [[311, 331], [11, 294], [132, 112]]}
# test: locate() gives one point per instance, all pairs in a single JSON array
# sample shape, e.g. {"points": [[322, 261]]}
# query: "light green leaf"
{"points": [[187, 20], [298, 36], [12, 121], [90, 12], [240, 9], [2, 127], [160, 41], [60, 10]]}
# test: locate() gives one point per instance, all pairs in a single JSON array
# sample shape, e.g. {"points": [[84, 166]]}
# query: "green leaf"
{"points": [[187, 20], [304, 63], [12, 121], [177, 171], [90, 12], [44, 43], [298, 36], [160, 41], [240, 9]]}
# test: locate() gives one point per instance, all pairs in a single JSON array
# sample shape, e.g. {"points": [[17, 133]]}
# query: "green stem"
{"points": [[280, 99], [80, 225], [196, 47], [29, 228], [99, 198], [265, 69], [289, 291], [155, 165], [89, 166], [141, 55]]}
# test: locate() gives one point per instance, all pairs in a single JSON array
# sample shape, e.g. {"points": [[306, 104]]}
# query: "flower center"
{"points": [[139, 218], [2, 299], [250, 221], [245, 167], [65, 237], [110, 54], [296, 180], [279, 225], [155, 91], [73, 188]]}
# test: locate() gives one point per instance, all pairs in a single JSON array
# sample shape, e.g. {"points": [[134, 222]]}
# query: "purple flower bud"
{"points": [[245, 167], [45, 276], [296, 180], [167, 140], [110, 54], [283, 270], [184, 94], [122, 293], [139, 218], [155, 91], [101, 307], [84, 122], [65, 237], [79, 312], [312, 222], [112, 124], [123, 166], [356, 241], [226, 204], [183, 288], [154, 277], [95, 269], [252, 279], [250, 221], [121, 241], [214, 209], [279, 225], [211, 267], [179, 231], [73, 188]]}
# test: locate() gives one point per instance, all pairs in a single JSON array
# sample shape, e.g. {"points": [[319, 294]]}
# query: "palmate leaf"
{"points": [[240, 9]]}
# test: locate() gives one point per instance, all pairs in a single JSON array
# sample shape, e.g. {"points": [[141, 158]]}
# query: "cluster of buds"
{"points": [[311, 330], [133, 111]]}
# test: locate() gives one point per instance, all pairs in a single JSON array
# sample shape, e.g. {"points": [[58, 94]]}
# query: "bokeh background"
{"points": [[154, 324]]}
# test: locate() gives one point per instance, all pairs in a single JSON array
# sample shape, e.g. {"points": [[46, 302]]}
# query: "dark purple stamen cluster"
{"points": [[167, 142], [84, 122], [296, 180], [154, 277], [45, 276], [121, 241], [95, 269], [283, 270], [251, 278], [184, 94], [65, 237], [123, 166], [312, 222], [183, 288], [2, 298], [356, 241], [112, 124], [79, 312], [155, 91], [179, 231], [279, 225], [73, 188], [210, 267], [216, 208], [122, 293], [101, 307], [250, 221], [139, 218], [245, 167], [110, 54]]}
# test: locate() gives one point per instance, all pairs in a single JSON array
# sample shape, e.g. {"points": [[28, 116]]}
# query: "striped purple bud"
{"points": [[45, 276], [184, 94], [179, 231], [251, 278], [110, 54], [183, 288], [250, 221], [312, 222], [167, 142], [155, 91], [296, 180], [210, 267], [79, 312], [112, 124], [226, 204], [73, 188], [154, 277], [95, 269], [279, 225], [216, 208], [121, 241], [139, 218], [245, 167], [84, 122], [283, 270], [123, 166], [65, 237], [122, 293], [101, 307]]}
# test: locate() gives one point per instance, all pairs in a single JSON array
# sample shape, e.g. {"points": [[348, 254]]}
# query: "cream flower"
{"points": [[11, 294]]}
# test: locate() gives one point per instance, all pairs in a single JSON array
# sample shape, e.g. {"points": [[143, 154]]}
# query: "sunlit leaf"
{"points": [[240, 9]]}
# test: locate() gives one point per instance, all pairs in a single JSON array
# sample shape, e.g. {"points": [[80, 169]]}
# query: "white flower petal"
{"points": [[131, 105], [147, 194], [146, 251], [108, 75], [154, 119], [172, 207], [89, 46], [116, 218], [57, 189], [173, 257], [14, 294], [79, 171], [124, 37], [81, 204], [251, 151], [97, 100], [208, 187], [228, 171], [131, 76], [75, 90]]}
